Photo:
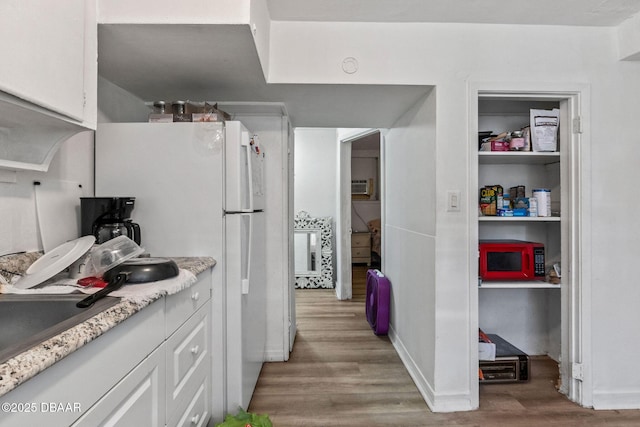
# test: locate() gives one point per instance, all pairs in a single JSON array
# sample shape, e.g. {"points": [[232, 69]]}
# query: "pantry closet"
{"points": [[539, 317]]}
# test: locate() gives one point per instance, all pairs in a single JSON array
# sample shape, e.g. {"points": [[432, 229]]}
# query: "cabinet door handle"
{"points": [[195, 419], [195, 296], [195, 349]]}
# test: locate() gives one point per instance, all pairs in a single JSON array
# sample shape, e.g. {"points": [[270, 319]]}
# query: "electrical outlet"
{"points": [[453, 201]]}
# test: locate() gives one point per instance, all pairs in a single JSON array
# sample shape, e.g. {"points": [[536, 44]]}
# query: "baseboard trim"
{"points": [[274, 356], [436, 402], [609, 400]]}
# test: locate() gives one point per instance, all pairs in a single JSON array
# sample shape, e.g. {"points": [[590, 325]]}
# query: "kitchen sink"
{"points": [[28, 320]]}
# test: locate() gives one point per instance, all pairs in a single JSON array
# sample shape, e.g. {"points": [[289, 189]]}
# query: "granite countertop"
{"points": [[26, 365]]}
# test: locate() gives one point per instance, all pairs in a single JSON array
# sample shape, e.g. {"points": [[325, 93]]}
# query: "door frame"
{"points": [[575, 366], [344, 288]]}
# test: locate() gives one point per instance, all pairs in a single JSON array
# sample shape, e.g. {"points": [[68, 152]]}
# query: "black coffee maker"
{"points": [[108, 217]]}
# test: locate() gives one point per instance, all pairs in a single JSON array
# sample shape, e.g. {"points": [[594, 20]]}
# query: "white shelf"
{"points": [[519, 218], [517, 157], [535, 309], [536, 284]]}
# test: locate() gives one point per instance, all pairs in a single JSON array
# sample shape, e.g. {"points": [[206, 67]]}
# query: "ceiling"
{"points": [[538, 12], [221, 62], [151, 62]]}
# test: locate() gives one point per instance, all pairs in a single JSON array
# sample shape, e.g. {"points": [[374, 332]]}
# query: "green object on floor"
{"points": [[245, 419]]}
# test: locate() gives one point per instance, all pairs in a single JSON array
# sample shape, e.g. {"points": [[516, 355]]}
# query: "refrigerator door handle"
{"points": [[247, 146], [249, 248]]}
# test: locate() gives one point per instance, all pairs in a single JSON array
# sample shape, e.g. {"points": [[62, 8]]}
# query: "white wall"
{"points": [[629, 39], [260, 22], [18, 220], [363, 211], [410, 241], [451, 56], [315, 172], [614, 315], [172, 12], [116, 105], [316, 177]]}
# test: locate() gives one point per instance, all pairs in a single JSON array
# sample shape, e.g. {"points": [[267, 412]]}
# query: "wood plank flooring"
{"points": [[359, 282], [341, 374]]}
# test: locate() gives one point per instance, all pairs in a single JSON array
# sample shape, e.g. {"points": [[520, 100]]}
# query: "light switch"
{"points": [[453, 201]]}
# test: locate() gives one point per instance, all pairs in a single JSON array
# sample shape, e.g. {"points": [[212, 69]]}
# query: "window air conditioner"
{"points": [[361, 187]]}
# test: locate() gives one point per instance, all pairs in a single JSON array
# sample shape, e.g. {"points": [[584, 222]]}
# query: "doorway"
{"points": [[366, 222], [358, 227], [557, 310], [322, 187]]}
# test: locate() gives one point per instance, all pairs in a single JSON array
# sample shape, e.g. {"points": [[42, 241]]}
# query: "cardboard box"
{"points": [[207, 117], [488, 201], [486, 351], [499, 145], [489, 197], [160, 118]]}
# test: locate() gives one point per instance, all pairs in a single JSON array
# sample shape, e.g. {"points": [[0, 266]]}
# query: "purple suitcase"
{"points": [[377, 309]]}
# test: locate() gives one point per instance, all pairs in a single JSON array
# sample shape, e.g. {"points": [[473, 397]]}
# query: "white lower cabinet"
{"points": [[154, 369], [172, 386], [188, 353], [172, 383], [137, 400]]}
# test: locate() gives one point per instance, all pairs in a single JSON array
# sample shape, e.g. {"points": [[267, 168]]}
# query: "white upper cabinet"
{"points": [[42, 48], [48, 79]]}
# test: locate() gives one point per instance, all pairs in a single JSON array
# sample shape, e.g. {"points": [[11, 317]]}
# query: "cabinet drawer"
{"points": [[181, 306], [197, 412], [134, 401], [360, 239], [360, 252], [188, 359]]}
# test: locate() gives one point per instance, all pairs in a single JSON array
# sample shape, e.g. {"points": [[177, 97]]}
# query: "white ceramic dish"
{"points": [[55, 261]]}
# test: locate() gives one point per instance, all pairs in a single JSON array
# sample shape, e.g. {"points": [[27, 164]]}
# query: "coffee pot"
{"points": [[109, 230], [108, 217]]}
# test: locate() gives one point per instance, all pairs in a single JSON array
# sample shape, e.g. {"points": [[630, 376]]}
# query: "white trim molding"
{"points": [[437, 402]]}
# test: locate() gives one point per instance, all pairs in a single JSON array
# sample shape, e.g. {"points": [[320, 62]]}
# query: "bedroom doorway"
{"points": [[360, 222]]}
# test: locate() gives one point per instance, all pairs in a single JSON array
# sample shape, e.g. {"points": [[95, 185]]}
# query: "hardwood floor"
{"points": [[359, 282], [341, 374]]}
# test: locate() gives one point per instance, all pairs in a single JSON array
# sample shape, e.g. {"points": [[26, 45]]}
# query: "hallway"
{"points": [[341, 374]]}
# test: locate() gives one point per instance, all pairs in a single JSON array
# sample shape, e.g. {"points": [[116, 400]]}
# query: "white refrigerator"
{"points": [[199, 192]]}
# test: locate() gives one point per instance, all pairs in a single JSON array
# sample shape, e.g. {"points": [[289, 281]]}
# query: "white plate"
{"points": [[55, 261]]}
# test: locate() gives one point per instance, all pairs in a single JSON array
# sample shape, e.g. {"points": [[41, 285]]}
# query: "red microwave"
{"points": [[511, 260]]}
